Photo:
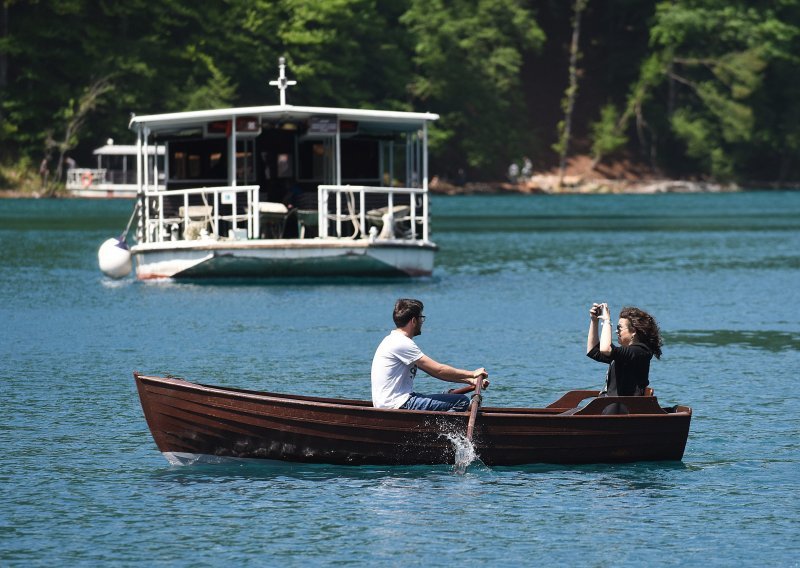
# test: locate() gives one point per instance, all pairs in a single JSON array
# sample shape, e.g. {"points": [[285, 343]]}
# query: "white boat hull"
{"points": [[104, 191], [284, 258]]}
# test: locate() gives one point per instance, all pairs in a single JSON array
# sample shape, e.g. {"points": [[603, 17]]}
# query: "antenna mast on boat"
{"points": [[282, 82]]}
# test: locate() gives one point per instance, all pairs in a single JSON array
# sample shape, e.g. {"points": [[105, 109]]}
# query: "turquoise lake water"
{"points": [[82, 484]]}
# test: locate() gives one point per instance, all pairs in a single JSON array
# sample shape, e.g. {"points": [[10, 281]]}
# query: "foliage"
{"points": [[706, 77], [469, 54], [716, 92], [606, 135], [568, 102]]}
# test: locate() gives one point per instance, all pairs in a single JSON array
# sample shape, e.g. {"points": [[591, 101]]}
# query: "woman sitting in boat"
{"points": [[629, 362], [395, 366]]}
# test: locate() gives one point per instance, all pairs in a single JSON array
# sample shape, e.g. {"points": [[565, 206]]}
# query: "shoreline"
{"points": [[572, 185], [536, 185]]}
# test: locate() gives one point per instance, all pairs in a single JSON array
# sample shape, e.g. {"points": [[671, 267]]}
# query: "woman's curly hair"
{"points": [[646, 328]]}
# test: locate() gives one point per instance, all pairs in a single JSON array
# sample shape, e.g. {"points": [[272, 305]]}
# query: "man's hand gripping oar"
{"points": [[480, 383]]}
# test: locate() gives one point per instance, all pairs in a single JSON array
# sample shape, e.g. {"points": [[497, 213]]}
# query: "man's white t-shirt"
{"points": [[393, 370]]}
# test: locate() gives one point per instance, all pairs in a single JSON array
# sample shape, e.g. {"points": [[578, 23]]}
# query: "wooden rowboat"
{"points": [[193, 422]]}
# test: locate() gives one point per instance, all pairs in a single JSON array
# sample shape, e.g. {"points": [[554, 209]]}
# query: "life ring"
{"points": [[86, 179]]}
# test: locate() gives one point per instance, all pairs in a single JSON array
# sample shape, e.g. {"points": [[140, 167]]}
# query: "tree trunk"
{"points": [[87, 103], [572, 89], [3, 55]]}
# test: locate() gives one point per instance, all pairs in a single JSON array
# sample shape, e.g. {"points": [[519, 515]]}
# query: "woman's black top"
{"points": [[628, 370]]}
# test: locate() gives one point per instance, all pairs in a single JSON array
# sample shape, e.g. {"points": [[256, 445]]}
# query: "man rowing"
{"points": [[395, 364]]}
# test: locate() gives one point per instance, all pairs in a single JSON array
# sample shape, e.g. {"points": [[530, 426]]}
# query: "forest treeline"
{"points": [[705, 88]]}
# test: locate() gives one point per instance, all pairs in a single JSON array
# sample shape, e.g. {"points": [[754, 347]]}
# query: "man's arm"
{"points": [[451, 374]]}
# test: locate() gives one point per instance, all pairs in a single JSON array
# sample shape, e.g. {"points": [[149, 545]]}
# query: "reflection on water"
{"points": [[85, 485], [272, 470], [773, 341]]}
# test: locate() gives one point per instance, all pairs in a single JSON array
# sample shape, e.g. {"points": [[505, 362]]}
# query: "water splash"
{"points": [[464, 450]]}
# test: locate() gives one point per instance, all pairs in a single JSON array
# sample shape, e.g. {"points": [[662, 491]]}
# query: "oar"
{"points": [[473, 409]]}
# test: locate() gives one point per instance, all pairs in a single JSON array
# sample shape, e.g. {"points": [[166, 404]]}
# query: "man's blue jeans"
{"points": [[442, 402]]}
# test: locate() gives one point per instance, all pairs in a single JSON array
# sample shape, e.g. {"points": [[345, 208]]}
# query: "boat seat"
{"points": [[576, 397], [199, 219], [272, 218], [306, 219], [618, 405], [380, 218]]}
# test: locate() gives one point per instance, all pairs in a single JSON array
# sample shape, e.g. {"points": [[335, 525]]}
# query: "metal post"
{"points": [[408, 160], [232, 154], [216, 213], [146, 149], [322, 211], [144, 210], [391, 163], [338, 213], [235, 217], [337, 172], [253, 221], [412, 199], [166, 164], [381, 150], [425, 181], [362, 214], [155, 167]]}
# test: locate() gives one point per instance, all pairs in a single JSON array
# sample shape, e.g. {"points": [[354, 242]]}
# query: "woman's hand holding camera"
{"points": [[599, 311]]}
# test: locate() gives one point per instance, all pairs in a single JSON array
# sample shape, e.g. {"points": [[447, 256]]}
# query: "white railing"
{"points": [[83, 178], [80, 178], [387, 217], [158, 228], [185, 219]]}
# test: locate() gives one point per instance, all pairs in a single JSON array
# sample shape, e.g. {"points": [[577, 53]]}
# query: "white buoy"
{"points": [[114, 258]]}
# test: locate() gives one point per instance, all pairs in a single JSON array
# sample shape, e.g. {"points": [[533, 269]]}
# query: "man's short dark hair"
{"points": [[406, 309]]}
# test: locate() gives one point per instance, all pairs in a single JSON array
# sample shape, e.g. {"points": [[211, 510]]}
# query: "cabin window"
{"points": [[179, 165], [316, 160], [198, 161], [360, 160], [246, 161], [284, 166], [194, 166], [215, 159]]}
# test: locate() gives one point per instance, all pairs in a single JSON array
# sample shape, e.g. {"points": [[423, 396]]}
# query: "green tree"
{"points": [[568, 103], [468, 57], [717, 89], [606, 134], [704, 81]]}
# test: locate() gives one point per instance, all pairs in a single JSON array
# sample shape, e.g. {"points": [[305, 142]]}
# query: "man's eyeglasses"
{"points": [[421, 319], [619, 328]]}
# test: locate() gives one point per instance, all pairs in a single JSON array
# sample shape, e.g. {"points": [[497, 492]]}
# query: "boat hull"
{"points": [[284, 258], [104, 191], [190, 421]]}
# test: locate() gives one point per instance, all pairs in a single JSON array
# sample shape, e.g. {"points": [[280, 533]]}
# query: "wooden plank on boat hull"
{"points": [[187, 418], [218, 425], [512, 440]]}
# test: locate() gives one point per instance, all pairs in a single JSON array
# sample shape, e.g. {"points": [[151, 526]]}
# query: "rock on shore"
{"points": [[549, 184]]}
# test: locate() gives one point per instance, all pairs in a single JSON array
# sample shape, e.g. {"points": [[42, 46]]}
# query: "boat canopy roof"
{"points": [[394, 120], [122, 150]]}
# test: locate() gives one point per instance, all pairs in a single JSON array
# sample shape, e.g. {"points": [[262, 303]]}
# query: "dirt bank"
{"points": [[620, 177]]}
